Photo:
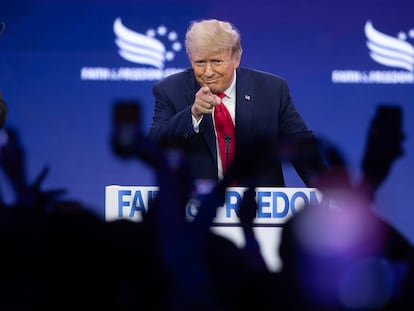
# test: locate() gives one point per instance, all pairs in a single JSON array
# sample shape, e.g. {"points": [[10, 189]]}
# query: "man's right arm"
{"points": [[168, 120]]}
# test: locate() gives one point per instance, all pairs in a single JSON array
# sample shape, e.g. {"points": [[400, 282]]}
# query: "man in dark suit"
{"points": [[259, 103]]}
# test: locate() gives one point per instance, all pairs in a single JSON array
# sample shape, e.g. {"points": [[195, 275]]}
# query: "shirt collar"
{"points": [[230, 92]]}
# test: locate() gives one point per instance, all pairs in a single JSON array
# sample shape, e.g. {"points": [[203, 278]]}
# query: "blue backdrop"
{"points": [[61, 70]]}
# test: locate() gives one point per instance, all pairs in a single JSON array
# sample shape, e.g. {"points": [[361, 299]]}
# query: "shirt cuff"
{"points": [[196, 123]]}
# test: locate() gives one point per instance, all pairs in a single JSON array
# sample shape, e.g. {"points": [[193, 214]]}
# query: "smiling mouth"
{"points": [[210, 82]]}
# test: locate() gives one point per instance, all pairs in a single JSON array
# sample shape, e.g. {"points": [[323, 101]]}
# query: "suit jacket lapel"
{"points": [[206, 126], [244, 105]]}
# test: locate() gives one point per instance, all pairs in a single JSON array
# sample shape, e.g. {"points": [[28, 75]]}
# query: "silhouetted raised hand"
{"points": [[12, 162], [383, 144], [3, 107]]}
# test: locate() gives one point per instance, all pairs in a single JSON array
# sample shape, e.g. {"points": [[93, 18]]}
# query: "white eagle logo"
{"points": [[390, 51], [145, 49]]}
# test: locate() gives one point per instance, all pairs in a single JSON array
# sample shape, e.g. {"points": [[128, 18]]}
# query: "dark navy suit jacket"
{"points": [[263, 108]]}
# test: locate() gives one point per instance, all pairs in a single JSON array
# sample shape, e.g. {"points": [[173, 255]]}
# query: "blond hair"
{"points": [[212, 35]]}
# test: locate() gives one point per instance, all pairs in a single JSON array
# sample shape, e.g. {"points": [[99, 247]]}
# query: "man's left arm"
{"points": [[305, 154]]}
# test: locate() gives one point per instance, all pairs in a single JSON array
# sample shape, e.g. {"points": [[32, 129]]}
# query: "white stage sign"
{"points": [[275, 206]]}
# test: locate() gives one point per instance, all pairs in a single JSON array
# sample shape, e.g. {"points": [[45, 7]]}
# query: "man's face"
{"points": [[214, 70]]}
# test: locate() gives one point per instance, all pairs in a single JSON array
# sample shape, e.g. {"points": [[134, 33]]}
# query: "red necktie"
{"points": [[225, 133]]}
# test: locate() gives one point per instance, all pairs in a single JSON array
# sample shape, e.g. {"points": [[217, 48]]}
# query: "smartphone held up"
{"points": [[126, 127]]}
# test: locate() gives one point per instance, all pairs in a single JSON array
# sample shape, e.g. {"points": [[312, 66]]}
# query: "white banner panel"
{"points": [[275, 207]]}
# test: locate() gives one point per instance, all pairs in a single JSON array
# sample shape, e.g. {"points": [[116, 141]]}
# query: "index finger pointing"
{"points": [[205, 90]]}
